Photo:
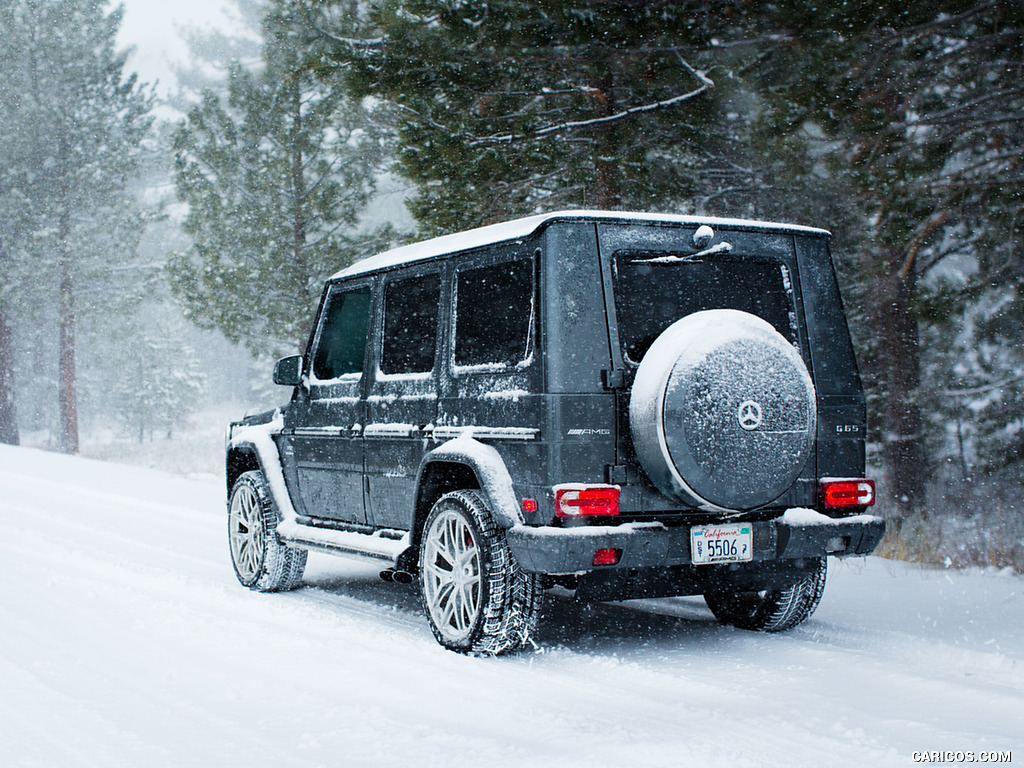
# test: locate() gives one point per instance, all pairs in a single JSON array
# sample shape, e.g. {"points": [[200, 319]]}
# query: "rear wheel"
{"points": [[261, 562], [476, 597], [771, 610]]}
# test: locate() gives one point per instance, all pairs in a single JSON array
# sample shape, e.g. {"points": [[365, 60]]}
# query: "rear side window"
{"points": [[653, 289], [494, 314], [341, 347], [410, 325]]}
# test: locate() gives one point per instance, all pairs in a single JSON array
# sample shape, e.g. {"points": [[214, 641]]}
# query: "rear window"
{"points": [[653, 289], [494, 321]]}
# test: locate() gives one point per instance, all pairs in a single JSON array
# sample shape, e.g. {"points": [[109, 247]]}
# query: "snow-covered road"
{"points": [[125, 640]]}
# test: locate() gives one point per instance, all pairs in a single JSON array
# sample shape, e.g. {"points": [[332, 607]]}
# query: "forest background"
{"points": [[156, 254]]}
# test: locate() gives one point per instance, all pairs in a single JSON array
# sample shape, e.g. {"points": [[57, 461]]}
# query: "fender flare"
{"points": [[486, 464], [258, 439]]}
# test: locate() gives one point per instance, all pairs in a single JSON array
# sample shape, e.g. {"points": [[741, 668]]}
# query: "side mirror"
{"points": [[288, 371]]}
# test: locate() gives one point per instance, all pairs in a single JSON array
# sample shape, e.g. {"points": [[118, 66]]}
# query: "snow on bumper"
{"points": [[798, 533]]}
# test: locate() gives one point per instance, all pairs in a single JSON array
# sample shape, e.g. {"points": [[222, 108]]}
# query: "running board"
{"points": [[377, 546]]}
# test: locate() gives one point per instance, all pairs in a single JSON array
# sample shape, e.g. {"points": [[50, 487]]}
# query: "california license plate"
{"points": [[721, 543]]}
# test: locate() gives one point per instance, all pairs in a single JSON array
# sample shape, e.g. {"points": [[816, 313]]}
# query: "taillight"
{"points": [[607, 556], [586, 500], [847, 493]]}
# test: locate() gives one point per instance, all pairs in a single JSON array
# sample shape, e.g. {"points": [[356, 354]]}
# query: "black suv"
{"points": [[624, 405]]}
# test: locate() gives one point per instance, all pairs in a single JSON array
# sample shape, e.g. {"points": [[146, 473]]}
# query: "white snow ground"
{"points": [[126, 641]]}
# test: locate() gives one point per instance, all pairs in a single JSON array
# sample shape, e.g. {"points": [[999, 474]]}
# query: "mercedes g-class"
{"points": [[623, 405]]}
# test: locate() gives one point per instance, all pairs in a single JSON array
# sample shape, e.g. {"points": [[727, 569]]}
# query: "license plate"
{"points": [[721, 543]]}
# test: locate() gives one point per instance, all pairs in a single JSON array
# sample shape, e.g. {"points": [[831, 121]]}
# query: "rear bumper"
{"points": [[796, 534]]}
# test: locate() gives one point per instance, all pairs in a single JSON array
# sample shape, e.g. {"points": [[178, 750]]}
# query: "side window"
{"points": [[342, 343], [494, 314], [410, 325]]}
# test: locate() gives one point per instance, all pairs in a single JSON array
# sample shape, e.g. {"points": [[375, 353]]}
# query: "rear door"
{"points": [[401, 407], [658, 276]]}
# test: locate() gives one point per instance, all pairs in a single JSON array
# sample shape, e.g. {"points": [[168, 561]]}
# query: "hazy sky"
{"points": [[152, 27]]}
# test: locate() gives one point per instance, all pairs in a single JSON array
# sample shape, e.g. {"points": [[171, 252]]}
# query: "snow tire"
{"points": [[261, 562], [477, 598], [773, 610]]}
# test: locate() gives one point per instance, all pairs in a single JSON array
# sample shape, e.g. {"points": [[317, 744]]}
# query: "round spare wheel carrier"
{"points": [[723, 411]]}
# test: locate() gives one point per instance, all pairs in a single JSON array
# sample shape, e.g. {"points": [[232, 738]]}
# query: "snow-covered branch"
{"points": [[664, 104], [981, 390], [925, 232], [422, 118]]}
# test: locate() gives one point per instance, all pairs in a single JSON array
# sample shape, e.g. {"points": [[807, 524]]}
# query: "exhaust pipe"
{"points": [[397, 577]]}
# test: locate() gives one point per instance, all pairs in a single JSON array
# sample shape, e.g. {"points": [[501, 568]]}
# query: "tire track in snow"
{"points": [[123, 629]]}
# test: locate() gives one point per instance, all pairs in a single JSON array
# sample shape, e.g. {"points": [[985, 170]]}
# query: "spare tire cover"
{"points": [[723, 411]]}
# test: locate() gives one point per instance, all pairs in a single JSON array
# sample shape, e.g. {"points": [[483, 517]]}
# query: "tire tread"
{"points": [[514, 597], [282, 566], [778, 610]]}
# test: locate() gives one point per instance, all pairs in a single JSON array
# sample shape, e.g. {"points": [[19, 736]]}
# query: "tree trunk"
{"points": [[902, 438], [298, 179], [608, 194], [66, 398], [8, 411]]}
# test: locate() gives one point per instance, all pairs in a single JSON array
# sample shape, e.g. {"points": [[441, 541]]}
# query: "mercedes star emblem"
{"points": [[749, 415]]}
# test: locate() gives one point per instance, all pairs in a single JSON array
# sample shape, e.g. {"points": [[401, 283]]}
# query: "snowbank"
{"points": [[126, 641]]}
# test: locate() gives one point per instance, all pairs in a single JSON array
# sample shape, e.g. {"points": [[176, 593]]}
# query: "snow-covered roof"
{"points": [[521, 228]]}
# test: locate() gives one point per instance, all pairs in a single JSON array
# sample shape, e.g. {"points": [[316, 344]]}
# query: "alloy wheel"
{"points": [[452, 579], [245, 533]]}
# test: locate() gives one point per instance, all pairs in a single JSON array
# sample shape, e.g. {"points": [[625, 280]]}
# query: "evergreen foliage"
{"points": [[160, 377], [921, 103], [506, 108], [74, 131], [897, 125], [276, 177]]}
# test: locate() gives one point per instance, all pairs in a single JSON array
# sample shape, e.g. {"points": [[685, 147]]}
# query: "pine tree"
{"points": [[211, 49], [160, 380], [506, 108], [921, 103], [897, 124], [275, 179], [80, 125], [10, 213], [8, 408]]}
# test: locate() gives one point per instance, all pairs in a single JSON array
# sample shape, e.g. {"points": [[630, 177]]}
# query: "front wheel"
{"points": [[771, 610], [476, 597], [261, 562]]}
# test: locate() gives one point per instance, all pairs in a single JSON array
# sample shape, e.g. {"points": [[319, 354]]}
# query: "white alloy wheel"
{"points": [[261, 561], [452, 578], [476, 597], [245, 534]]}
